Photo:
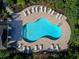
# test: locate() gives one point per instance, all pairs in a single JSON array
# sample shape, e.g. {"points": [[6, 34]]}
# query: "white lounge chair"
{"points": [[40, 47], [19, 45], [35, 48], [36, 9], [49, 11], [28, 11], [52, 12], [23, 48], [60, 16], [57, 48], [32, 10], [28, 48], [57, 15], [45, 8], [52, 47], [24, 13], [41, 8]]}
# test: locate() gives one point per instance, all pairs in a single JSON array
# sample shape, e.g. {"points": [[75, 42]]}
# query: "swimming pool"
{"points": [[41, 28]]}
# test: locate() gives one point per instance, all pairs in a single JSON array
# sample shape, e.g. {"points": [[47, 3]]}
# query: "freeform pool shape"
{"points": [[39, 29]]}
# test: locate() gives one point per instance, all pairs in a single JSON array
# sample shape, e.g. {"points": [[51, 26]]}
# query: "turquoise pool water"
{"points": [[41, 28]]}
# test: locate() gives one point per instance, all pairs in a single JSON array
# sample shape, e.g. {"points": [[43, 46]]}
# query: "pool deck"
{"points": [[62, 41]]}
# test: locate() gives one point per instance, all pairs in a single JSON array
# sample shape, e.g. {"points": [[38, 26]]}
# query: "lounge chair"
{"points": [[49, 11], [35, 48], [45, 9], [19, 45], [52, 12], [41, 8], [28, 11], [23, 48], [32, 10], [60, 16], [28, 48], [36, 9], [57, 47], [24, 13], [52, 47], [40, 47], [57, 15]]}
